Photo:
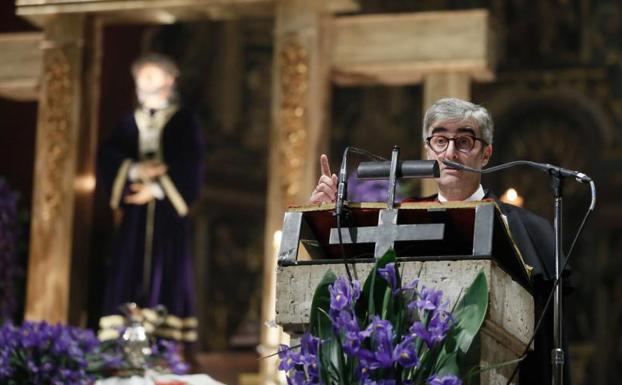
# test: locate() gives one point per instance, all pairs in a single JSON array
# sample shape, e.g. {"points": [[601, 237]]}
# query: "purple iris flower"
{"points": [[418, 330], [378, 328], [289, 358], [439, 325], [179, 367], [169, 351], [343, 295], [405, 353], [5, 364], [61, 346], [366, 358], [309, 344], [436, 331], [445, 380], [381, 334], [301, 367], [344, 320], [412, 285], [429, 299], [38, 352], [389, 275], [351, 343]]}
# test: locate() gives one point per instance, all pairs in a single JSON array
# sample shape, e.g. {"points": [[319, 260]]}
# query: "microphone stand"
{"points": [[340, 213], [557, 353], [557, 174]]}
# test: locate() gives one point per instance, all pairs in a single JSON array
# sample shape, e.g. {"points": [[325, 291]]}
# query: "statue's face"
{"points": [[154, 86]]}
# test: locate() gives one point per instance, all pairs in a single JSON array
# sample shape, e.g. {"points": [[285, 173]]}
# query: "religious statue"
{"points": [[151, 168]]}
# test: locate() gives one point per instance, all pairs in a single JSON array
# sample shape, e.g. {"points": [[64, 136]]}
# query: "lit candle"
{"points": [[511, 196]]}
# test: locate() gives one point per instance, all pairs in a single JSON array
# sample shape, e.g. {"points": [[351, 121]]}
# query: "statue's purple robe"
{"points": [[171, 282]]}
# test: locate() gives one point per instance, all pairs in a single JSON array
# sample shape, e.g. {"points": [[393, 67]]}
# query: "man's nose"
{"points": [[451, 152]]}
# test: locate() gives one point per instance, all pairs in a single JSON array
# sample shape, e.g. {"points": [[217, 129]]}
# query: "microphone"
{"points": [[341, 184], [405, 169], [549, 168], [341, 195]]}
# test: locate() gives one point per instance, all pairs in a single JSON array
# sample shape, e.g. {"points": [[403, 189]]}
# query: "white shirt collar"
{"points": [[478, 195]]}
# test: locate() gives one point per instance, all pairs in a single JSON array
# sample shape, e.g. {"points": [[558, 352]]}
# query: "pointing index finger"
{"points": [[325, 167]]}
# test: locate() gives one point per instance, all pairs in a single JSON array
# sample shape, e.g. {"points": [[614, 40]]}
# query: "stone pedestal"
{"points": [[507, 328]]}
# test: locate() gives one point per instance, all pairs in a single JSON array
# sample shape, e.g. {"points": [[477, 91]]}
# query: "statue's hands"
{"points": [[149, 169], [141, 194], [326, 189]]}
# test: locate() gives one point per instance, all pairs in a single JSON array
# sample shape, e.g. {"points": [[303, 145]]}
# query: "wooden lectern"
{"points": [[444, 244]]}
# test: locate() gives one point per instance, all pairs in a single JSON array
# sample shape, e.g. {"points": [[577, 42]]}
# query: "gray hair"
{"points": [[162, 61], [458, 109]]}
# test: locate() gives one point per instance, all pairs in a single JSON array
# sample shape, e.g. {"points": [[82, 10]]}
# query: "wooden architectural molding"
{"points": [[20, 67], [163, 11], [402, 49]]}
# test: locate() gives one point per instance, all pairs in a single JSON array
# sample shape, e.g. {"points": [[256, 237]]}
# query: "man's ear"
{"points": [[487, 153]]}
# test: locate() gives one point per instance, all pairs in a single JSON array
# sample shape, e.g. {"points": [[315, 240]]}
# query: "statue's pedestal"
{"points": [[504, 335]]}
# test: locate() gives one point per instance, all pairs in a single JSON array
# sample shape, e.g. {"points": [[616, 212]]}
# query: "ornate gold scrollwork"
{"points": [[294, 68], [56, 134]]}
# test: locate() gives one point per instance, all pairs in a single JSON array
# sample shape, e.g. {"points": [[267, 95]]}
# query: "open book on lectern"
{"points": [[417, 231]]}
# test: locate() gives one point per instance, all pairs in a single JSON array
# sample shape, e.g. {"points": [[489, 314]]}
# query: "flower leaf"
{"points": [[470, 313], [374, 289], [320, 325], [447, 364]]}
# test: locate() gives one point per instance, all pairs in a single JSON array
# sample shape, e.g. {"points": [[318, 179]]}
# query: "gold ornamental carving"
{"points": [[56, 133], [294, 68]]}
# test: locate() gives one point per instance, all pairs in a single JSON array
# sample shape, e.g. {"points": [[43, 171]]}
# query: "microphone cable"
{"points": [[341, 195]]}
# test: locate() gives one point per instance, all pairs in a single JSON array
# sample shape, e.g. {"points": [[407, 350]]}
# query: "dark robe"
{"points": [[171, 273], [535, 239]]}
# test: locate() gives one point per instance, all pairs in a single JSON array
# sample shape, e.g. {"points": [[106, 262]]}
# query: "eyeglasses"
{"points": [[462, 143]]}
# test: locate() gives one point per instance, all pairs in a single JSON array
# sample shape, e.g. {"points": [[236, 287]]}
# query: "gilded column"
{"points": [[299, 98], [57, 141]]}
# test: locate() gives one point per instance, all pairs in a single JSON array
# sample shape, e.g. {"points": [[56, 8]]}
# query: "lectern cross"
{"points": [[387, 233]]}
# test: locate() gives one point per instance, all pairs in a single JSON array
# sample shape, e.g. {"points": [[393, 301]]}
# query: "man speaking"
{"points": [[462, 132]]}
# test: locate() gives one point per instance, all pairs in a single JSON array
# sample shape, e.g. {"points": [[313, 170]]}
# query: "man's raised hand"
{"points": [[326, 189]]}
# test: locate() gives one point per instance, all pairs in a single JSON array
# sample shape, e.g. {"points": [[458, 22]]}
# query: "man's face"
{"points": [[477, 157]]}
